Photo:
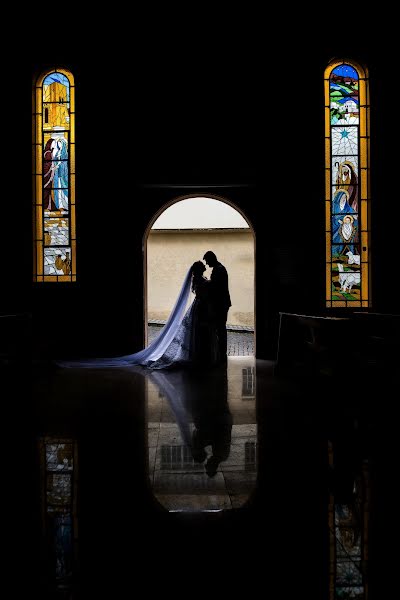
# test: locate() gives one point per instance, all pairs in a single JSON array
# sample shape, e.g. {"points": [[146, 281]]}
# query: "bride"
{"points": [[187, 339]]}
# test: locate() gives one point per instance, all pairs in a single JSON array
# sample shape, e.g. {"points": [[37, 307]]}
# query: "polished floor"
{"points": [[213, 480], [202, 437]]}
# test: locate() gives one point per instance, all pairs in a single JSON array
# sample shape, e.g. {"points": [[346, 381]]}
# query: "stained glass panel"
{"points": [[344, 98], [344, 140], [346, 152], [54, 187], [56, 105], [56, 231], [57, 261]]}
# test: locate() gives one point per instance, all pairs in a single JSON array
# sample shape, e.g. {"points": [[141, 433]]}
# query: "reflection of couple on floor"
{"points": [[212, 421], [201, 409], [195, 337]]}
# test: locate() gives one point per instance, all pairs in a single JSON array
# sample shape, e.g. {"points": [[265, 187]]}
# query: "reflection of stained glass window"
{"points": [[348, 525], [59, 499], [347, 185], [54, 177]]}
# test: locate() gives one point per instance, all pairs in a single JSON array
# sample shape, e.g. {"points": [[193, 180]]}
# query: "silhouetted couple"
{"points": [[198, 339], [195, 337], [208, 343]]}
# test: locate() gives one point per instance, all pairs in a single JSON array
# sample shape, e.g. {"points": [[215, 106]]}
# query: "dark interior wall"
{"points": [[232, 111]]}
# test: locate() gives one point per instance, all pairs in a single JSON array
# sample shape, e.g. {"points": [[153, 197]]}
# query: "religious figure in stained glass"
{"points": [[55, 176], [346, 179], [54, 147], [344, 225], [346, 160]]}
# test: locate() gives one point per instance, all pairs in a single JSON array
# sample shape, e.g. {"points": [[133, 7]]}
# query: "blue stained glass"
{"points": [[344, 98], [345, 230], [345, 70]]}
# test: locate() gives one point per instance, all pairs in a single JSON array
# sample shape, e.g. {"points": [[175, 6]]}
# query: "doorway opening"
{"points": [[202, 428], [179, 234]]}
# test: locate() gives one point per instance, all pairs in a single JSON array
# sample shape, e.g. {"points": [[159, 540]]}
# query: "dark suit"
{"points": [[221, 301]]}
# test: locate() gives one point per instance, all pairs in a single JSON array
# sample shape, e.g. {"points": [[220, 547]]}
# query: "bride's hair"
{"points": [[198, 269]]}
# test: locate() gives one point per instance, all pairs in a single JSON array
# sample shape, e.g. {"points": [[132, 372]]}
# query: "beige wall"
{"points": [[170, 253]]}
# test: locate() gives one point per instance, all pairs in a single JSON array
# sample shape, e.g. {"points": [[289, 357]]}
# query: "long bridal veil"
{"points": [[170, 347]]}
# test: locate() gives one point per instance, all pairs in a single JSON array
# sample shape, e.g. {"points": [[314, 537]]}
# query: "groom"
{"points": [[221, 300]]}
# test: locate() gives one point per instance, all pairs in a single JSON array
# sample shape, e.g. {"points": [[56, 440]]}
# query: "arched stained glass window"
{"points": [[347, 185], [54, 177]]}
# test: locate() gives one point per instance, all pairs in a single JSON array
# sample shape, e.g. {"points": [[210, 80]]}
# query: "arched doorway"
{"points": [[179, 234], [202, 429]]}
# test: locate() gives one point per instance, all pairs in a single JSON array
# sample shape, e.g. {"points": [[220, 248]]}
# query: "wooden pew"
{"points": [[362, 343], [312, 345]]}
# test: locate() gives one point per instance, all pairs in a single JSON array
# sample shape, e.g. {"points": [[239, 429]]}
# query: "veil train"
{"points": [[170, 347]]}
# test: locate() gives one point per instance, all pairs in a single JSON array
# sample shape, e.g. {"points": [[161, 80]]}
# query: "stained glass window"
{"points": [[347, 185], [54, 177]]}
